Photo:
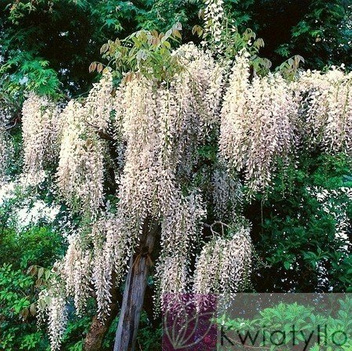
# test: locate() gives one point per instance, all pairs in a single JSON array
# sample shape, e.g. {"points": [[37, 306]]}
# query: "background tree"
{"points": [[320, 31], [46, 46]]}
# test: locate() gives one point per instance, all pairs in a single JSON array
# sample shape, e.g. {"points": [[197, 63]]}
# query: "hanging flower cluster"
{"points": [[76, 271], [327, 107], [227, 194], [6, 153], [7, 110], [223, 264], [100, 104], [207, 76], [81, 166], [179, 233], [80, 171], [112, 246], [256, 124], [40, 128], [53, 305], [213, 16]]}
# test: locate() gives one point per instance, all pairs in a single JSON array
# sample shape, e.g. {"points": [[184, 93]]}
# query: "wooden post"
{"points": [[135, 286]]}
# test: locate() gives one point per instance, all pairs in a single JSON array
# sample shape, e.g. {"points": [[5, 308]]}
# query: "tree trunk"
{"points": [[96, 334], [98, 329], [135, 286]]}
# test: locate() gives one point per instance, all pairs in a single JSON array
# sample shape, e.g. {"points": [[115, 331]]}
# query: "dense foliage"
{"points": [[46, 46]]}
